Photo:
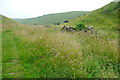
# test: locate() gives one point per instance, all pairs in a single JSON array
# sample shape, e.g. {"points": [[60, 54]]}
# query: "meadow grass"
{"points": [[47, 52], [43, 52]]}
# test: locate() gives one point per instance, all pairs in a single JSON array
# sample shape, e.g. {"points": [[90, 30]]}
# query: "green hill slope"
{"points": [[104, 18], [6, 20], [52, 18]]}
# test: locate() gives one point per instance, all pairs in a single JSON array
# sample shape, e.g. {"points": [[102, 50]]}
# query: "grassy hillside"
{"points": [[52, 18], [103, 18], [46, 52]]}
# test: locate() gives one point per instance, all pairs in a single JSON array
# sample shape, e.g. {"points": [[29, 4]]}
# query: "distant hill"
{"points": [[52, 18], [103, 18]]}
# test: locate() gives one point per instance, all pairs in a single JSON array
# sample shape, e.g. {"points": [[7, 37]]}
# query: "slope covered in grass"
{"points": [[52, 18], [103, 18], [46, 52]]}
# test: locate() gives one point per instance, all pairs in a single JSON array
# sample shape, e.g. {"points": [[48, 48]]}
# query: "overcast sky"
{"points": [[35, 8]]}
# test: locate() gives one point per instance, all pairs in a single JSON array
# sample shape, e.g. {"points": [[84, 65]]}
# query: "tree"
{"points": [[84, 14]]}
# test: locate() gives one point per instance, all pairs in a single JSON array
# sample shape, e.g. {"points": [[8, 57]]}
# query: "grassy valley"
{"points": [[38, 51], [50, 19]]}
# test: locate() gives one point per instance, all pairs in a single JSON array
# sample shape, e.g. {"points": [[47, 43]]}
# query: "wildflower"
{"points": [[40, 37], [81, 68], [45, 75], [70, 61], [73, 69], [81, 46], [62, 56]]}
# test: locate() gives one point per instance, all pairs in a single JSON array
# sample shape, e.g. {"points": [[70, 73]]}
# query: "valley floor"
{"points": [[46, 52]]}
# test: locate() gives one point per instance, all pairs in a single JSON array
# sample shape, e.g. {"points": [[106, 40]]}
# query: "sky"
{"points": [[35, 8]]}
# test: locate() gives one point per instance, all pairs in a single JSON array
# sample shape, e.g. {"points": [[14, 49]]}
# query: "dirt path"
{"points": [[12, 68]]}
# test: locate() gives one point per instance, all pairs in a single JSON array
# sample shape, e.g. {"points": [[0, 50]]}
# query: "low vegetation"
{"points": [[43, 52], [80, 26], [47, 52]]}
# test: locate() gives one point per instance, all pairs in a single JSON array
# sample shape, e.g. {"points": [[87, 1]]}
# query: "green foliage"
{"points": [[57, 23], [80, 26]]}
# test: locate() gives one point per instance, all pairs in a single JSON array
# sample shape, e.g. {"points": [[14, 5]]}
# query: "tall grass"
{"points": [[44, 52]]}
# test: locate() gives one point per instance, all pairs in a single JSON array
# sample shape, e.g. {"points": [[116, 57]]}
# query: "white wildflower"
{"points": [[40, 37]]}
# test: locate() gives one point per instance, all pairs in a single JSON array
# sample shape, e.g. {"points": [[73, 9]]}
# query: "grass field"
{"points": [[37, 51]]}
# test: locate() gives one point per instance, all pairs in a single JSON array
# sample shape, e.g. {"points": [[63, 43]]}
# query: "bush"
{"points": [[80, 26], [57, 23]]}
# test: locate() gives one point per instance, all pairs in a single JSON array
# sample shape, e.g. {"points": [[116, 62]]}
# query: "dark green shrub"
{"points": [[80, 26], [56, 23]]}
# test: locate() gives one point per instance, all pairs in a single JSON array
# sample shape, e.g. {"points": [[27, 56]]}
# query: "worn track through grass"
{"points": [[13, 66]]}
